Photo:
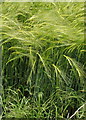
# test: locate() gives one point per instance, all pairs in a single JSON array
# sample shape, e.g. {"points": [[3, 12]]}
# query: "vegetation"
{"points": [[43, 52]]}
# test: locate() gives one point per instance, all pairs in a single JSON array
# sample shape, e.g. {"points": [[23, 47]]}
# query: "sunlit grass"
{"points": [[43, 60]]}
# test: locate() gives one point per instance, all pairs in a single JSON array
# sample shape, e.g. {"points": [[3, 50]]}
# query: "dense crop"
{"points": [[43, 53]]}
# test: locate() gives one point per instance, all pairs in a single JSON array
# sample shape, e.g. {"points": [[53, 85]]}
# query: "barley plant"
{"points": [[43, 60]]}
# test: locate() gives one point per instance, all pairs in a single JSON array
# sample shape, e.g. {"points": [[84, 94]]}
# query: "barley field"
{"points": [[43, 60]]}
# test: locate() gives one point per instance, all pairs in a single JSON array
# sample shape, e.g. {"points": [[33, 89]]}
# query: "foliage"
{"points": [[43, 60]]}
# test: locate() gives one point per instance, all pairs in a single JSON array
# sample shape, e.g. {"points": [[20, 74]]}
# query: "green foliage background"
{"points": [[43, 51]]}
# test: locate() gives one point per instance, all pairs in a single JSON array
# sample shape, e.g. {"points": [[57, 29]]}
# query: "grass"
{"points": [[43, 66]]}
